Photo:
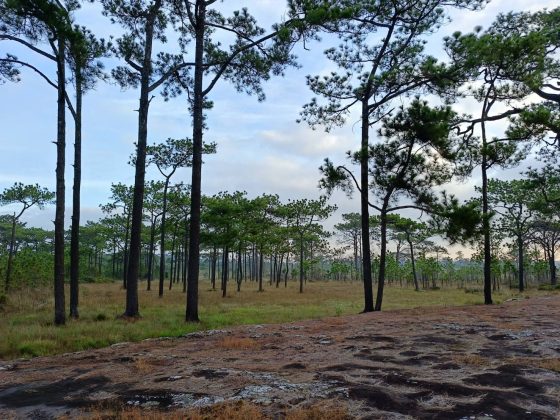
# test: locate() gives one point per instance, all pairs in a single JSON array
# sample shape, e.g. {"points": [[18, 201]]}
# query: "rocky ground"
{"points": [[477, 362]]}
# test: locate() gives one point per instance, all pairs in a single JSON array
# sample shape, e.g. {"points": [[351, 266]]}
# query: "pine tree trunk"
{"points": [[214, 261], [9, 268], [140, 171], [382, 260], [151, 254], [521, 264], [59, 300], [125, 250], [186, 255], [364, 205], [191, 313], [552, 267], [414, 276], [75, 233], [486, 213], [261, 263], [301, 271], [225, 272], [162, 240]]}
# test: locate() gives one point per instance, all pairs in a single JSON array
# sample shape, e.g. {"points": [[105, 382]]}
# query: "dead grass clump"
{"points": [[143, 365], [551, 363], [238, 343], [319, 412], [471, 359], [335, 322], [238, 410], [437, 402], [136, 413], [116, 411]]}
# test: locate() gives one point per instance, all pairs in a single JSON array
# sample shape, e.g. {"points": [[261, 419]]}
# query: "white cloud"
{"points": [[303, 141]]}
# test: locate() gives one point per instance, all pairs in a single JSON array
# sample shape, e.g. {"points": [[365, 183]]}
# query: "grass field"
{"points": [[27, 329]]}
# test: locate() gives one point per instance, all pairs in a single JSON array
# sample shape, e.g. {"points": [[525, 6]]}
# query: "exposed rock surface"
{"points": [[478, 362]]}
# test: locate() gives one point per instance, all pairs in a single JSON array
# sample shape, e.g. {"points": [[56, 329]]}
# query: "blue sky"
{"points": [[261, 148]]}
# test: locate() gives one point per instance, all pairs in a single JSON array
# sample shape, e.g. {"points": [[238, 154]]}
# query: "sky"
{"points": [[261, 147]]}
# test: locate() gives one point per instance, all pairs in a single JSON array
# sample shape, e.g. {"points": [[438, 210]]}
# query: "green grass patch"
{"points": [[27, 329]]}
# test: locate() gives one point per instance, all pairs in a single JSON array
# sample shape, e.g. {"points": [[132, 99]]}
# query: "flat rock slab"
{"points": [[476, 362]]}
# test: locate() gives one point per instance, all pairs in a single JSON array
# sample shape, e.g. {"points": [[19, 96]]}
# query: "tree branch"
{"points": [[28, 45], [35, 69]]}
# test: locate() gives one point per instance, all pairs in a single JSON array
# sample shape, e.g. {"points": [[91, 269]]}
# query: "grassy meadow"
{"points": [[27, 329]]}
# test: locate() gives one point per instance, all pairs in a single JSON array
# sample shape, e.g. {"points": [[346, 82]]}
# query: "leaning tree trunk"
{"points": [[59, 301], [198, 103], [75, 233]]}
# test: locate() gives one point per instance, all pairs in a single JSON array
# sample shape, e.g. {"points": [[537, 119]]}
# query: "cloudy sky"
{"points": [[261, 148]]}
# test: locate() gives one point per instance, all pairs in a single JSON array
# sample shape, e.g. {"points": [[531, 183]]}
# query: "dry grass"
{"points": [[437, 402], [231, 410], [238, 410], [238, 343], [132, 413], [319, 411], [142, 365], [551, 363], [471, 360]]}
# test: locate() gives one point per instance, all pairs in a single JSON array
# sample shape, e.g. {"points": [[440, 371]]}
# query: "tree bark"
{"points": [[213, 275], [75, 233], [186, 255], [414, 276], [301, 271], [198, 101], [487, 270], [151, 254], [552, 267], [9, 268], [125, 250], [382, 260], [162, 240], [521, 270], [364, 204], [59, 301], [225, 271], [261, 263], [140, 171]]}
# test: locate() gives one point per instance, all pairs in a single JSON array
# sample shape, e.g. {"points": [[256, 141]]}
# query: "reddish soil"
{"points": [[478, 362]]}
